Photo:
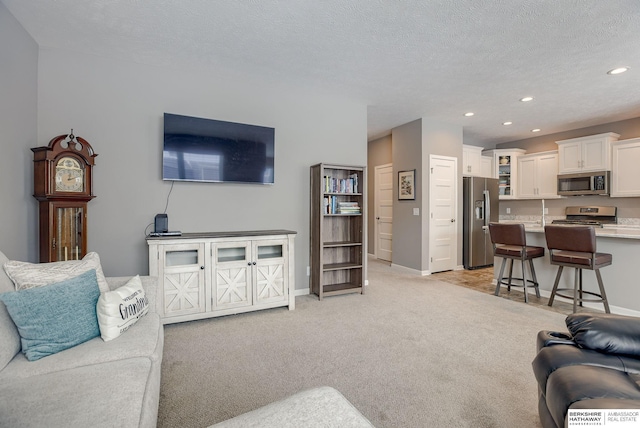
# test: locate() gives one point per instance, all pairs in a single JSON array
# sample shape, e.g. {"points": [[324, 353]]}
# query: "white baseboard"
{"points": [[400, 268]]}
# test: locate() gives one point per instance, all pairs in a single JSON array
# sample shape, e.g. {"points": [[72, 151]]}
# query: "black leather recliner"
{"points": [[596, 365]]}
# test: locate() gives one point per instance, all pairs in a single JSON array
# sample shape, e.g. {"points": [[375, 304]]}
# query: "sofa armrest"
{"points": [[607, 333], [150, 285], [548, 338]]}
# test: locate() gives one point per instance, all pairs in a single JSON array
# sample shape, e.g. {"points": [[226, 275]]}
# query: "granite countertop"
{"points": [[608, 231]]}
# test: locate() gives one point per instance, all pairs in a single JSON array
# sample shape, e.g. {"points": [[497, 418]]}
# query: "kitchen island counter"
{"points": [[608, 231], [620, 279]]}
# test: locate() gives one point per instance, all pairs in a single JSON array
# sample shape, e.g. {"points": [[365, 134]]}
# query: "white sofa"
{"points": [[94, 384]]}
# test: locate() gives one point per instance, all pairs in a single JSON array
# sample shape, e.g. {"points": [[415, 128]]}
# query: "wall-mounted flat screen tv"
{"points": [[197, 149]]}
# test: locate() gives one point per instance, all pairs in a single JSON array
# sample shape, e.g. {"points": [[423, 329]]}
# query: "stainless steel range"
{"points": [[590, 216]]}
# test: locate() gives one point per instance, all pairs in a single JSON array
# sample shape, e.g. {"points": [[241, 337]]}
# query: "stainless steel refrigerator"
{"points": [[480, 206]]}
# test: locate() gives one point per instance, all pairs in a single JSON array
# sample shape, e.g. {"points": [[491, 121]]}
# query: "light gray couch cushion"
{"points": [[9, 336], [29, 275], [105, 395], [322, 407], [144, 339]]}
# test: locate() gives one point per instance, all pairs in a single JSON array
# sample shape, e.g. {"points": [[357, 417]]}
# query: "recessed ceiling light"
{"points": [[535, 130], [525, 99], [469, 114], [618, 70], [507, 123]]}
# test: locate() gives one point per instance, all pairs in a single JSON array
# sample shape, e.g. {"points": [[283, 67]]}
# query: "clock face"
{"points": [[69, 175]]}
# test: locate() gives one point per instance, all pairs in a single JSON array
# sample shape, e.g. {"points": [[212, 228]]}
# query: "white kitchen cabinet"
{"points": [[537, 176], [486, 164], [590, 153], [505, 169], [471, 161], [203, 275], [625, 168]]}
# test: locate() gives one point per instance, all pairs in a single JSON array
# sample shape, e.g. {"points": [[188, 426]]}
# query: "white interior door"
{"points": [[383, 183], [443, 194]]}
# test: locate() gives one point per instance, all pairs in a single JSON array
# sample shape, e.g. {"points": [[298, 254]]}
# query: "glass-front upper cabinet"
{"points": [[506, 170]]}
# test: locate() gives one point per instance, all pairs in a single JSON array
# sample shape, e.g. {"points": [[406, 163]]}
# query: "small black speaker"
{"points": [[161, 223]]}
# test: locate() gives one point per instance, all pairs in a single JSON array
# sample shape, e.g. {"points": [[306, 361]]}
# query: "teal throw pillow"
{"points": [[55, 317]]}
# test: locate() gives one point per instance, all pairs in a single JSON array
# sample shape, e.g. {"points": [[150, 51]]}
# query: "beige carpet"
{"points": [[410, 352]]}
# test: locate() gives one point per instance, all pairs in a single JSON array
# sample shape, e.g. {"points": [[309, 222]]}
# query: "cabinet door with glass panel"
{"points": [[506, 171], [231, 283], [67, 233], [183, 272], [270, 270]]}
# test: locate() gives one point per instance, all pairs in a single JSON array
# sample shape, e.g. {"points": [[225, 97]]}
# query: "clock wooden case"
{"points": [[62, 184]]}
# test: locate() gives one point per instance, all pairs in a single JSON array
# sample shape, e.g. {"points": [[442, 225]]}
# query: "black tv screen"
{"points": [[197, 149]]}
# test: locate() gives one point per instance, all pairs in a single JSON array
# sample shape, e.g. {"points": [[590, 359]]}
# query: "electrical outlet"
{"points": [[416, 211], [308, 270], [546, 210], [508, 210]]}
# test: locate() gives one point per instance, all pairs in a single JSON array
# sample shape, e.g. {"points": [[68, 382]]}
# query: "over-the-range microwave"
{"points": [[584, 183]]}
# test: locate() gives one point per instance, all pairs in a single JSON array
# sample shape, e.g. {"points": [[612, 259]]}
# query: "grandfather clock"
{"points": [[62, 185]]}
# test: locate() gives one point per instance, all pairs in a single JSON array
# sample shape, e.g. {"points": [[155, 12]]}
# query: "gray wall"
{"points": [[442, 139], [407, 228], [118, 107], [411, 145], [378, 153], [18, 125]]}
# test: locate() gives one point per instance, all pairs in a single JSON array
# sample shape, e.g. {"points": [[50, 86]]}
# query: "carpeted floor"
{"points": [[410, 352]]}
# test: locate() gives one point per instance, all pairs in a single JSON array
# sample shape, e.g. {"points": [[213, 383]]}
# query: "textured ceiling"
{"points": [[404, 59]]}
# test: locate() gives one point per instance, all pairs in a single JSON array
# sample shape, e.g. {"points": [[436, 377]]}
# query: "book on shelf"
{"points": [[333, 206], [348, 208], [341, 185]]}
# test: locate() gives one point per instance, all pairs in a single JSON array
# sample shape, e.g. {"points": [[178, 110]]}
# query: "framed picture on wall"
{"points": [[407, 184]]}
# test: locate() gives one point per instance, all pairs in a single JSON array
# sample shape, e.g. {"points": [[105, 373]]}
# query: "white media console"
{"points": [[203, 275]]}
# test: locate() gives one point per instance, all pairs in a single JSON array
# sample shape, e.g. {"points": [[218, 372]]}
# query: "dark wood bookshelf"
{"points": [[338, 240]]}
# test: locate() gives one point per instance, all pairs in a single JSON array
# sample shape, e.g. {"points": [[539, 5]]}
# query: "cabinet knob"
{"points": [[249, 264], [202, 267], [254, 263]]}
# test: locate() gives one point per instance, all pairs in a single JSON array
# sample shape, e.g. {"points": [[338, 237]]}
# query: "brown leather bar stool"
{"points": [[575, 246], [510, 243]]}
